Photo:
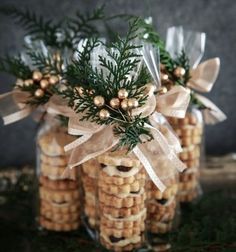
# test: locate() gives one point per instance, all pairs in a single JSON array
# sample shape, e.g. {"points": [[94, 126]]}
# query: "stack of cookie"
{"points": [[189, 131], [161, 206], [121, 201], [89, 176], [58, 198]]}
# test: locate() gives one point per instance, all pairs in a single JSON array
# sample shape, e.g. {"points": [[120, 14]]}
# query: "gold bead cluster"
{"points": [[178, 72], [42, 81], [120, 102]]}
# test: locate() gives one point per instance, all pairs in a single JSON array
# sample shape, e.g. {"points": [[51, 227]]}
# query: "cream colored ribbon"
{"points": [[202, 79], [13, 106], [96, 139]]}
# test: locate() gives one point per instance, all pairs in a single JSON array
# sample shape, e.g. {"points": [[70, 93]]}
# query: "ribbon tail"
{"points": [[205, 75], [174, 103], [13, 107], [149, 169], [212, 114]]}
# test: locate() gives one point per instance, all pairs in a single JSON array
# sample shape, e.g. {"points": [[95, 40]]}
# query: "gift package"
{"points": [[121, 125]]}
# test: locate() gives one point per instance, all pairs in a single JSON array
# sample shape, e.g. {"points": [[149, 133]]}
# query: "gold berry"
{"points": [[104, 114], [39, 93], [115, 103], [124, 104], [28, 82], [44, 83], [163, 90], [53, 80], [99, 101], [179, 72], [132, 103], [37, 76], [122, 94], [164, 77]]}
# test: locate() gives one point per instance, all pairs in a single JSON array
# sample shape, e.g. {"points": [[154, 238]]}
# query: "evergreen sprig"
{"points": [[117, 70], [83, 26], [34, 24], [15, 66], [48, 64]]}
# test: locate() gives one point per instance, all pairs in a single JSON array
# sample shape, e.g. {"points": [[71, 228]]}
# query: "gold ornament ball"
{"points": [[91, 92], [115, 103], [122, 94], [28, 82], [179, 72], [132, 103], [104, 114], [39, 93], [98, 101], [44, 83], [164, 77], [53, 80], [163, 90], [124, 104], [37, 76]]}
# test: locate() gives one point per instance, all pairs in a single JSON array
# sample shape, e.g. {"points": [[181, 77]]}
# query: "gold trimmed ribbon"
{"points": [[202, 79], [13, 106], [97, 139]]}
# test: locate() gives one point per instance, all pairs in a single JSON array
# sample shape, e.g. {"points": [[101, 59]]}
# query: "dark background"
{"points": [[215, 17]]}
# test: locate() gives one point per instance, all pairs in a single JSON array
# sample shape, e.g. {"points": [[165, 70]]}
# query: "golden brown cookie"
{"points": [[54, 226], [129, 200], [159, 227], [62, 196], [154, 193], [135, 186], [52, 143], [54, 161], [119, 158], [120, 245], [65, 184], [188, 196], [64, 208], [121, 212], [59, 217], [121, 180], [56, 172]]}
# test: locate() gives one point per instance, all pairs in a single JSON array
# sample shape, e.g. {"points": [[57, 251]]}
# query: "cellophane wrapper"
{"points": [[115, 200], [190, 132], [58, 199]]}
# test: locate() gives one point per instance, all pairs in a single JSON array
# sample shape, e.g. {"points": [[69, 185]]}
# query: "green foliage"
{"points": [[34, 24], [15, 66], [48, 64], [83, 26], [77, 73], [122, 60], [71, 29]]}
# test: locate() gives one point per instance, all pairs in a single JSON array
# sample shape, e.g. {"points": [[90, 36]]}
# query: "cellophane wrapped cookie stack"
{"points": [[162, 206], [122, 201], [89, 177], [180, 56], [59, 204], [190, 133]]}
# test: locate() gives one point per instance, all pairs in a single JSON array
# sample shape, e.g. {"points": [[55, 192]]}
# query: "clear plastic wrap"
{"points": [[190, 131], [58, 207]]}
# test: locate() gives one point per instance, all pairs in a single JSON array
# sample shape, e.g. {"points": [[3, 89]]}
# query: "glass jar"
{"points": [[190, 132], [58, 207]]}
